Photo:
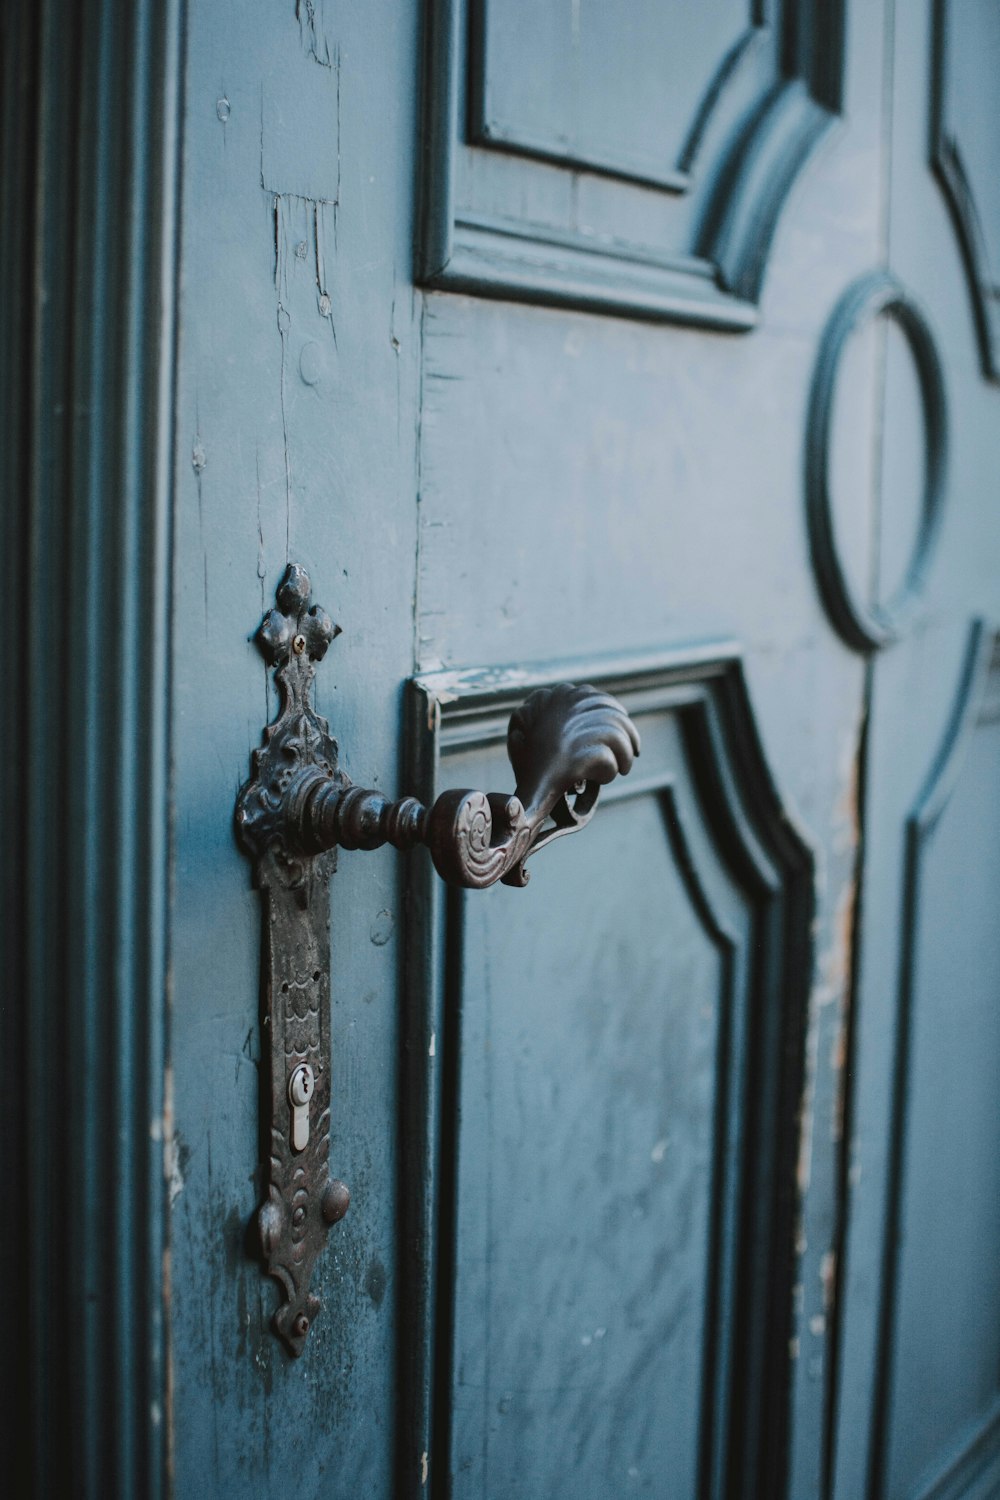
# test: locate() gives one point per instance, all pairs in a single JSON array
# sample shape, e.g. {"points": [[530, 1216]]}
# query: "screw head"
{"points": [[301, 1325], [299, 645]]}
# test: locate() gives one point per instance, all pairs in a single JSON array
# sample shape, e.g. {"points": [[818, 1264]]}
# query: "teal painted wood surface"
{"points": [[673, 1173], [296, 437]]}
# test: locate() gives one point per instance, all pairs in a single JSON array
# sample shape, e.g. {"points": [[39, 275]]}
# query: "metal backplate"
{"points": [[302, 1199]]}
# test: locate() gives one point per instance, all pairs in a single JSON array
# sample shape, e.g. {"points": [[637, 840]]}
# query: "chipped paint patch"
{"points": [[834, 966], [846, 925], [300, 134], [424, 1467], [448, 687], [828, 1278], [172, 1170], [804, 1164], [309, 14], [164, 1131]]}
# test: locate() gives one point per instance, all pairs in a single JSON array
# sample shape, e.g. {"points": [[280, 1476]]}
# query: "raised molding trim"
{"points": [[769, 858], [949, 167], [713, 280], [977, 701], [869, 627]]}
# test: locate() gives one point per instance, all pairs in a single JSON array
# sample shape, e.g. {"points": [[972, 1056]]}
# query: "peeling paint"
{"points": [[828, 1278], [313, 31], [175, 1180], [449, 686], [424, 1467], [834, 967], [804, 1163], [173, 1152]]}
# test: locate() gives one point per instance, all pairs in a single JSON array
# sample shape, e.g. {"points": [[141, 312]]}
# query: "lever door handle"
{"points": [[298, 807], [564, 744]]}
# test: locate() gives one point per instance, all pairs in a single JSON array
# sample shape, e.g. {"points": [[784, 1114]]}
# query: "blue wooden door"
{"points": [[653, 345]]}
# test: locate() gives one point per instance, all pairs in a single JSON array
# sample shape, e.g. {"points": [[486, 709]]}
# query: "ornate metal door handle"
{"points": [[298, 807]]}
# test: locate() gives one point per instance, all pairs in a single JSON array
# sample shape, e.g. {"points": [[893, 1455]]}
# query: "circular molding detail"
{"points": [[870, 627]]}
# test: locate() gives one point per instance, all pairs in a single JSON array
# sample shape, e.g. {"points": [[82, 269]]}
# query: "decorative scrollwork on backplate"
{"points": [[302, 1199], [564, 744]]}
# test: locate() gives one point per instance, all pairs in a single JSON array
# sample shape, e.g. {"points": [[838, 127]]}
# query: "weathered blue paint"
{"points": [[296, 438], [673, 1172], [905, 1425]]}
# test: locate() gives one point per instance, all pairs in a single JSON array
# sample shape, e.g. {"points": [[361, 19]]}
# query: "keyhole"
{"points": [[300, 1090]]}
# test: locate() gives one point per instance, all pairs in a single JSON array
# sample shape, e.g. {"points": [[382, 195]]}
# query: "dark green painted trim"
{"points": [[90, 165]]}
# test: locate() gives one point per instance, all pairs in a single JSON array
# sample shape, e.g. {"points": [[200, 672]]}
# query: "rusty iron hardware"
{"points": [[298, 807]]}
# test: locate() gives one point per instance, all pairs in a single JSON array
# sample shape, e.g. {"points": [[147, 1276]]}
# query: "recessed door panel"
{"points": [[943, 1281], [618, 1051], [619, 90], [591, 1031]]}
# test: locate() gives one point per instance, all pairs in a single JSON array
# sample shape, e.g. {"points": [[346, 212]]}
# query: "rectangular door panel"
{"points": [[618, 91], [592, 1026], [618, 1055], [941, 1316], [631, 158]]}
